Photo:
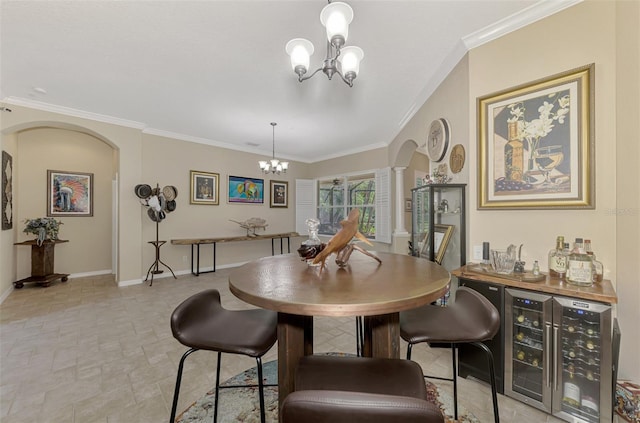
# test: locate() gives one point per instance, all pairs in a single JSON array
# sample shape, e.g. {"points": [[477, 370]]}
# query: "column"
{"points": [[400, 227]]}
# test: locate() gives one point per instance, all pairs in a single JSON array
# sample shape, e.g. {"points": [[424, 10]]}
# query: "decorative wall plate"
{"points": [[438, 139], [457, 158]]}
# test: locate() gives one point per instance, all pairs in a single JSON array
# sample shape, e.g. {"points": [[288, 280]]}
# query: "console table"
{"points": [[42, 260], [196, 242]]}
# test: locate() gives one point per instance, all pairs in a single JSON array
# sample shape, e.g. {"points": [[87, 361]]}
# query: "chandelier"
{"points": [[341, 60], [274, 165]]}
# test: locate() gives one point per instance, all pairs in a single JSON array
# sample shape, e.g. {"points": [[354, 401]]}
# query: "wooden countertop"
{"points": [[255, 237], [602, 292]]}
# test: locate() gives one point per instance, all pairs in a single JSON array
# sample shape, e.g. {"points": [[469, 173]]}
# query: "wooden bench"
{"points": [[197, 242]]}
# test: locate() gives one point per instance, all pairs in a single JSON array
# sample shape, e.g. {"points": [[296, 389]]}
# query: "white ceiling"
{"points": [[216, 71]]}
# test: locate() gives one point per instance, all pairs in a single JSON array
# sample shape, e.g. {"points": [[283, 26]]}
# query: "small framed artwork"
{"points": [[279, 194], [245, 190], [69, 193], [442, 236], [7, 191], [536, 144], [408, 204], [205, 188]]}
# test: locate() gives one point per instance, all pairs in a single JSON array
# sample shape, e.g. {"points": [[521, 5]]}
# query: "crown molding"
{"points": [[531, 14], [206, 141], [343, 153], [68, 111]]}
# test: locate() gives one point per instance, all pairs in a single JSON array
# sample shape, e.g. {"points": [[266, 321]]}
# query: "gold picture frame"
{"points": [[443, 234], [536, 144], [205, 188]]}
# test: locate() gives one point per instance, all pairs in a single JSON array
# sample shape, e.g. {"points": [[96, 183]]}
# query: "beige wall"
{"points": [[39, 150], [368, 160], [8, 272], [627, 179], [588, 32], [169, 162]]}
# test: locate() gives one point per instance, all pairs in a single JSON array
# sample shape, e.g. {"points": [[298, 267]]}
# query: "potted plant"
{"points": [[45, 228]]}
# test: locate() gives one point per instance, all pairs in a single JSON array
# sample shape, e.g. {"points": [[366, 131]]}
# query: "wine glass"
{"points": [[547, 159]]}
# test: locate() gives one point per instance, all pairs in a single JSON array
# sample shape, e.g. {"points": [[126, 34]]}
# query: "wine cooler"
{"points": [[558, 355]]}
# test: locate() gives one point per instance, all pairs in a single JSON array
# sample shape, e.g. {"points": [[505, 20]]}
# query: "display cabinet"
{"points": [[438, 224]]}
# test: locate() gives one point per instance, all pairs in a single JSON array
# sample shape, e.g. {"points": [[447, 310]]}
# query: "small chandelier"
{"points": [[345, 61], [274, 165]]}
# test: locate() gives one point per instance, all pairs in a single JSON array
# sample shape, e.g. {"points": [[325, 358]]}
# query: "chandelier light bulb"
{"points": [[300, 51], [344, 61], [350, 58], [336, 17]]}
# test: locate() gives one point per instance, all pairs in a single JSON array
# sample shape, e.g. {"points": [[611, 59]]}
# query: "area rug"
{"points": [[243, 405]]}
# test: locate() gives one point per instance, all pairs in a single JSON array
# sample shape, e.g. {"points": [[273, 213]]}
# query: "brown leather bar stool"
{"points": [[201, 323], [471, 319], [338, 389]]}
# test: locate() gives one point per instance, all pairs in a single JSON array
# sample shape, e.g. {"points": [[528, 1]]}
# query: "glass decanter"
{"points": [[311, 247]]}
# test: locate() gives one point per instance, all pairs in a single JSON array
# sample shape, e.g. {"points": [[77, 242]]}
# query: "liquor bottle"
{"points": [[580, 266], [513, 154], [598, 268], [558, 259]]}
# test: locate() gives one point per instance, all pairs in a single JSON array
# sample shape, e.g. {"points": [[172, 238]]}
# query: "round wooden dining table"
{"points": [[364, 287]]}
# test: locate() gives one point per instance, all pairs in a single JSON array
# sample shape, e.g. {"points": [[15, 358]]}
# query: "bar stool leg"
{"points": [[217, 396], [261, 390], [455, 381], [492, 373], [176, 392]]}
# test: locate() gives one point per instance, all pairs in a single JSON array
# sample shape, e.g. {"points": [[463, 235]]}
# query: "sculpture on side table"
{"points": [[252, 224]]}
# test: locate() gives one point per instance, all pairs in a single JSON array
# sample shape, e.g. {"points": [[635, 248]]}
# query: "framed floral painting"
{"points": [[536, 144], [69, 193]]}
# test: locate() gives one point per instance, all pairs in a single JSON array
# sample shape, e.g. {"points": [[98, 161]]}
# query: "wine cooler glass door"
{"points": [[528, 360], [583, 358]]}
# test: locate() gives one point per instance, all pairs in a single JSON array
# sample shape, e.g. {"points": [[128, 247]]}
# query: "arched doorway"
{"points": [[43, 146]]}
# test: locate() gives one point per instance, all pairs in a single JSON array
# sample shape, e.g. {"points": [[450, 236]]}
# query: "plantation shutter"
{"points": [[383, 205], [306, 205]]}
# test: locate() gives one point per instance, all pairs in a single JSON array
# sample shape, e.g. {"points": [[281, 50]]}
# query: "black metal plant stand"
{"points": [[154, 269]]}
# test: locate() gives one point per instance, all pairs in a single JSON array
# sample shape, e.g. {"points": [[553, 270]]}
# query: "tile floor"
{"points": [[87, 351]]}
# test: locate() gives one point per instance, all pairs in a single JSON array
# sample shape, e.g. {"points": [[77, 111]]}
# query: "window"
{"points": [[338, 196], [331, 200]]}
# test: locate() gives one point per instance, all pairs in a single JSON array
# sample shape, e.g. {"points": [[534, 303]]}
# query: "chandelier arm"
{"points": [[346, 81], [300, 78]]}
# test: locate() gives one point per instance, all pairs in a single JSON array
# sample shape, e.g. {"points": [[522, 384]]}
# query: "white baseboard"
{"points": [[167, 274], [94, 273], [6, 293]]}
